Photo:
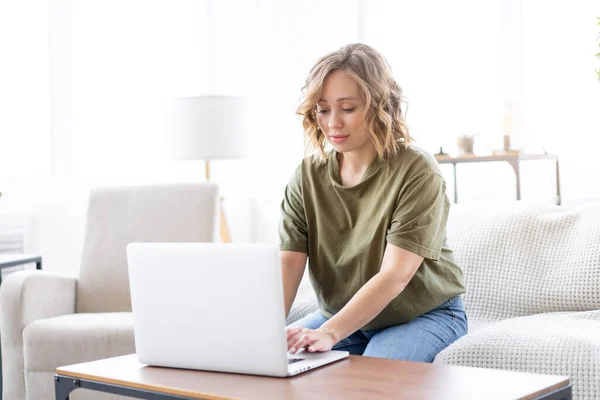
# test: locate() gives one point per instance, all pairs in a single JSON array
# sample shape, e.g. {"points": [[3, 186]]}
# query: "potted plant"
{"points": [[465, 144]]}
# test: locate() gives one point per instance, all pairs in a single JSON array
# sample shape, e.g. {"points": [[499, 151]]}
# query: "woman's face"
{"points": [[341, 113]]}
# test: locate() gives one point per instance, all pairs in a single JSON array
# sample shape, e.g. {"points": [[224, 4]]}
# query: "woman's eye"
{"points": [[346, 110]]}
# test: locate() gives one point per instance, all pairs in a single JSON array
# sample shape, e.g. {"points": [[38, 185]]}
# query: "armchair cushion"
{"points": [[118, 216], [70, 339]]}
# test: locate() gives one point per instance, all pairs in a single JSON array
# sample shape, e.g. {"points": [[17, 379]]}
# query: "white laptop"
{"points": [[213, 306]]}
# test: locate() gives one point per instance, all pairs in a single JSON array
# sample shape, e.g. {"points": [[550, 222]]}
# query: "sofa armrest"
{"points": [[26, 296]]}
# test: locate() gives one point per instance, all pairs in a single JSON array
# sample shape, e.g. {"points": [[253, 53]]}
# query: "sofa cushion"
{"points": [[305, 301], [564, 343], [74, 338], [524, 259]]}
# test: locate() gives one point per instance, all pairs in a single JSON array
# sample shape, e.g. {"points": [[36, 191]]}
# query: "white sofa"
{"points": [[49, 320], [532, 275]]}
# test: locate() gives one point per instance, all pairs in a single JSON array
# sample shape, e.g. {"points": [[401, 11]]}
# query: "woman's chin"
{"points": [[340, 147]]}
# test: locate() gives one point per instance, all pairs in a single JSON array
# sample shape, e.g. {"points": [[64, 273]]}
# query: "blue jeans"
{"points": [[418, 340]]}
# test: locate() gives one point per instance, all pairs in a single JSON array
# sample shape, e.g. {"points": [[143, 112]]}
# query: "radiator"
{"points": [[11, 243], [13, 230]]}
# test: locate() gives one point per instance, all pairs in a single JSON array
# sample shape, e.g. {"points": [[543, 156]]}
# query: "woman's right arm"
{"points": [[292, 266]]}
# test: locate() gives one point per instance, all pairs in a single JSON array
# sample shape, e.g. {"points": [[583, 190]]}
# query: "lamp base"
{"points": [[223, 227]]}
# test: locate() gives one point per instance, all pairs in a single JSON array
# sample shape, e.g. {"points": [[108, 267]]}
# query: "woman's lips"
{"points": [[339, 138]]}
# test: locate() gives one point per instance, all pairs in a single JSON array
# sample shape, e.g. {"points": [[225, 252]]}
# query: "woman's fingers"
{"points": [[313, 340], [305, 340], [318, 346], [292, 331], [293, 335], [294, 339]]}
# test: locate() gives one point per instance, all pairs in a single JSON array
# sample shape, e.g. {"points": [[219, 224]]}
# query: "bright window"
{"points": [[25, 135], [447, 57]]}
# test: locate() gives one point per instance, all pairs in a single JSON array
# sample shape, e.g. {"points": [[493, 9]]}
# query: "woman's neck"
{"points": [[357, 161], [353, 164]]}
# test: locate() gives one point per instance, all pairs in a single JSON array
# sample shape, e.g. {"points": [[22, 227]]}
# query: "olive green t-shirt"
{"points": [[344, 231]]}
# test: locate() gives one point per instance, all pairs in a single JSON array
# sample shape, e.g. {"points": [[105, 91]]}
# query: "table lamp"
{"points": [[210, 128]]}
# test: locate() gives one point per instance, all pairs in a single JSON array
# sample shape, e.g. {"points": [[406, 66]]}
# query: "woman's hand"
{"points": [[313, 340]]}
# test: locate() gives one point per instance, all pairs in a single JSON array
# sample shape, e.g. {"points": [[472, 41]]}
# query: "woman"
{"points": [[370, 215]]}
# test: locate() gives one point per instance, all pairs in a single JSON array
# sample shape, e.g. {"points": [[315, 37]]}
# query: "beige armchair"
{"points": [[49, 320]]}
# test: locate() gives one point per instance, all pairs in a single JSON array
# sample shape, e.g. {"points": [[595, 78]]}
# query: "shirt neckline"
{"points": [[334, 171]]}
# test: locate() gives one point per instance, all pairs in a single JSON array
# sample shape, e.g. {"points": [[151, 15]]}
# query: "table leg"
{"points": [[558, 199], [559, 394], [63, 387], [0, 372], [518, 172], [515, 166], [455, 186]]}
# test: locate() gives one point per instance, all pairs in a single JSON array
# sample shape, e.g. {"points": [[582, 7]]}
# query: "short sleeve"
{"points": [[419, 218], [293, 233]]}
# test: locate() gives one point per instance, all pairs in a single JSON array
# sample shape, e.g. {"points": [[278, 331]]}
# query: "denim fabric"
{"points": [[418, 340]]}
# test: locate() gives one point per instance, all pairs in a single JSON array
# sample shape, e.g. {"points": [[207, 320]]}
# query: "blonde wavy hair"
{"points": [[384, 121]]}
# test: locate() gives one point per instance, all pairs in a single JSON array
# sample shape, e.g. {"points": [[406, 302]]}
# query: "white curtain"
{"points": [[448, 58], [130, 57], [25, 135], [562, 90], [126, 64]]}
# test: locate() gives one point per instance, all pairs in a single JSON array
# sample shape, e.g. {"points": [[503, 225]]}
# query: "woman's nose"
{"points": [[335, 120]]}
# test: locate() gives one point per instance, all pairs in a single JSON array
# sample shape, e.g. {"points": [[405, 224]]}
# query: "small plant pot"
{"points": [[465, 144]]}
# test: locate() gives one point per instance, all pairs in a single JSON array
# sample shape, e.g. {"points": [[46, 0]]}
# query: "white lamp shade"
{"points": [[210, 127]]}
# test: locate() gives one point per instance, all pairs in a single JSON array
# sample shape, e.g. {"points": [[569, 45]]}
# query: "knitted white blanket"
{"points": [[532, 275], [527, 259]]}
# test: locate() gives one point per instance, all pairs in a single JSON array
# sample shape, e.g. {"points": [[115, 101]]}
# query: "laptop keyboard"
{"points": [[294, 360]]}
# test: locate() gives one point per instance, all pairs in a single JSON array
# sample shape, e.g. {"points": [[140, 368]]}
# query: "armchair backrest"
{"points": [[524, 259], [118, 216]]}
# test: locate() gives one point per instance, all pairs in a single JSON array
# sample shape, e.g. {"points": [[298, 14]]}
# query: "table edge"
{"points": [[564, 383]]}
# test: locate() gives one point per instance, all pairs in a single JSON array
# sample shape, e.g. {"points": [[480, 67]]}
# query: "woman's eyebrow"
{"points": [[340, 99]]}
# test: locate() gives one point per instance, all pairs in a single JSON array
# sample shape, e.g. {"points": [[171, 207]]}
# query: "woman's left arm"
{"points": [[397, 269]]}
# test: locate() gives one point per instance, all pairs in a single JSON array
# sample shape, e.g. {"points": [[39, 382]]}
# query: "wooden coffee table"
{"points": [[353, 378]]}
